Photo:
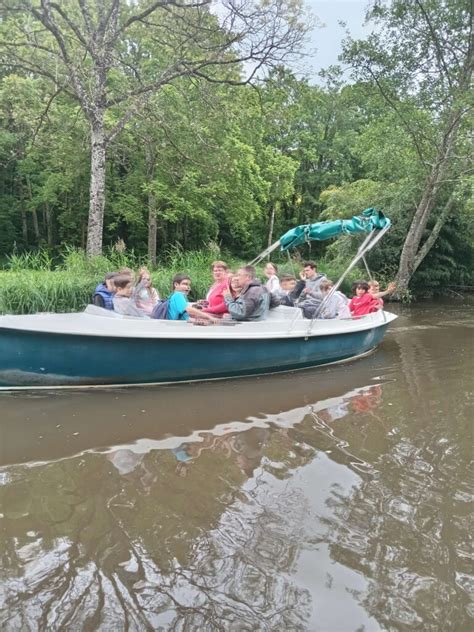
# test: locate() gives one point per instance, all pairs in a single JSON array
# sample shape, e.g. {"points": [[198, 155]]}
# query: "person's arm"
{"points": [[217, 308], [98, 300], [391, 287], [194, 312], [294, 294]]}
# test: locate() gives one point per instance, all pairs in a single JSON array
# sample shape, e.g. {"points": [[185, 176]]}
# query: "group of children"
{"points": [[313, 293]]}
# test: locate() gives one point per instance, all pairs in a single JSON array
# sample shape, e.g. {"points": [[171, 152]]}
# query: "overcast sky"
{"points": [[325, 42]]}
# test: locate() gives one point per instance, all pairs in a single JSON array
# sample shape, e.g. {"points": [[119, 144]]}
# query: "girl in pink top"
{"points": [[363, 302], [215, 299]]}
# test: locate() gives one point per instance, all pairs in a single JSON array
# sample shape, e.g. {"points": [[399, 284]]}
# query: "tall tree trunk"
{"points": [[95, 225], [36, 229], [49, 225], [434, 182], [24, 220], [427, 203], [152, 227], [272, 223]]}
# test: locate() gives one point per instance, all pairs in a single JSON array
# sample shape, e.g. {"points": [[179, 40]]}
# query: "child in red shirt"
{"points": [[363, 302]]}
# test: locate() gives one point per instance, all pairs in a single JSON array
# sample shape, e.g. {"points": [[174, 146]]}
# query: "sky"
{"points": [[324, 43]]}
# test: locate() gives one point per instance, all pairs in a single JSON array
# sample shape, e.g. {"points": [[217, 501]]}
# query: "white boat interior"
{"points": [[281, 322]]}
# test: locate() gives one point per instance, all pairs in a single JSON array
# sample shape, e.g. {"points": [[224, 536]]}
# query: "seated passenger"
{"points": [[312, 280], [123, 304], [215, 303], [362, 303], [374, 289], [336, 306], [145, 295], [179, 308], [254, 299], [290, 290], [234, 286], [104, 292], [273, 283]]}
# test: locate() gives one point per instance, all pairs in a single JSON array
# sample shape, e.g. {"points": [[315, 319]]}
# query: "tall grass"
{"points": [[34, 283]]}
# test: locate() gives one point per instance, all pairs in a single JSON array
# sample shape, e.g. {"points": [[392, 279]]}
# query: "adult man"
{"points": [[312, 279], [179, 307], [254, 299]]}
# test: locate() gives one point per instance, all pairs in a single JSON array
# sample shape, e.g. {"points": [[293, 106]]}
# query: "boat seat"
{"points": [[95, 310], [282, 312]]}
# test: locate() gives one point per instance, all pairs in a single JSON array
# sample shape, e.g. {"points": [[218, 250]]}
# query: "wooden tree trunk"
{"points": [[97, 188], [426, 205], [152, 227], [49, 225], [272, 224]]}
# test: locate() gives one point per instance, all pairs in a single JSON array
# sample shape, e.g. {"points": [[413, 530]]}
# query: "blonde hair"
{"points": [[219, 264], [141, 273]]}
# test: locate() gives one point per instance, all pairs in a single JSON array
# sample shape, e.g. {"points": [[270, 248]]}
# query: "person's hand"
{"points": [[391, 287], [226, 294], [203, 303], [302, 275]]}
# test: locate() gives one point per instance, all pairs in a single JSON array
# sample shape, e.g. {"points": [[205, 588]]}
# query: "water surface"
{"points": [[330, 500]]}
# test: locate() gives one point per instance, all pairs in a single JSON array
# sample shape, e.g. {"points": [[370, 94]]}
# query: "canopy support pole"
{"points": [[265, 253]]}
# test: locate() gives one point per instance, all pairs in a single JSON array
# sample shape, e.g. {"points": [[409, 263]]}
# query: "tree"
{"points": [[113, 55], [422, 58]]}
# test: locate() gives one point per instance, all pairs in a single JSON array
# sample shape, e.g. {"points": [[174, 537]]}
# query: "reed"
{"points": [[34, 283]]}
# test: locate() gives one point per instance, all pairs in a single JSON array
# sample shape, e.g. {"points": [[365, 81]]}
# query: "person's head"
{"points": [[219, 270], [181, 283], [123, 285], [326, 286], [234, 283], [246, 275], [144, 277], [270, 269], [287, 282], [310, 269], [109, 281], [359, 288], [374, 287]]}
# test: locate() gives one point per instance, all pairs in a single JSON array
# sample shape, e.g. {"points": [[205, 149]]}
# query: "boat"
{"points": [[99, 348]]}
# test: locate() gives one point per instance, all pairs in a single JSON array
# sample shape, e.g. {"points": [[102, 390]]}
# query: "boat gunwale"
{"points": [[287, 329]]}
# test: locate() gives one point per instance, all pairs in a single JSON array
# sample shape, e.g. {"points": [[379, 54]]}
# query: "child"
{"points": [[290, 290], [146, 297], [104, 293], [337, 306], [270, 271], [179, 307], [122, 301], [363, 302], [374, 289]]}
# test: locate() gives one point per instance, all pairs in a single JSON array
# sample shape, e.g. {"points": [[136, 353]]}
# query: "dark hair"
{"points": [[310, 264], [250, 270], [178, 278], [110, 275], [362, 284], [122, 280], [287, 277]]}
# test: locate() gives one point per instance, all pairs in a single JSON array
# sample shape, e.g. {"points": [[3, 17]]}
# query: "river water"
{"points": [[335, 499]]}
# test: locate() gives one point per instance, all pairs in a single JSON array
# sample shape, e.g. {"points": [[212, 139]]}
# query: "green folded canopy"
{"points": [[369, 220]]}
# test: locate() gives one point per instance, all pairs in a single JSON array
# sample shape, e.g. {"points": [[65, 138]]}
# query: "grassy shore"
{"points": [[34, 283]]}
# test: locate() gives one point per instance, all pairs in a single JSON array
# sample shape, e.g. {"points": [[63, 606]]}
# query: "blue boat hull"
{"points": [[35, 359]]}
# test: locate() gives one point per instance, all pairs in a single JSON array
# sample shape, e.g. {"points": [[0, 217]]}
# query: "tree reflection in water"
{"points": [[212, 535]]}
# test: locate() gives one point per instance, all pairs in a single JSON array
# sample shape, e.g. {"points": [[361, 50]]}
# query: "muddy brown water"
{"points": [[329, 500]]}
